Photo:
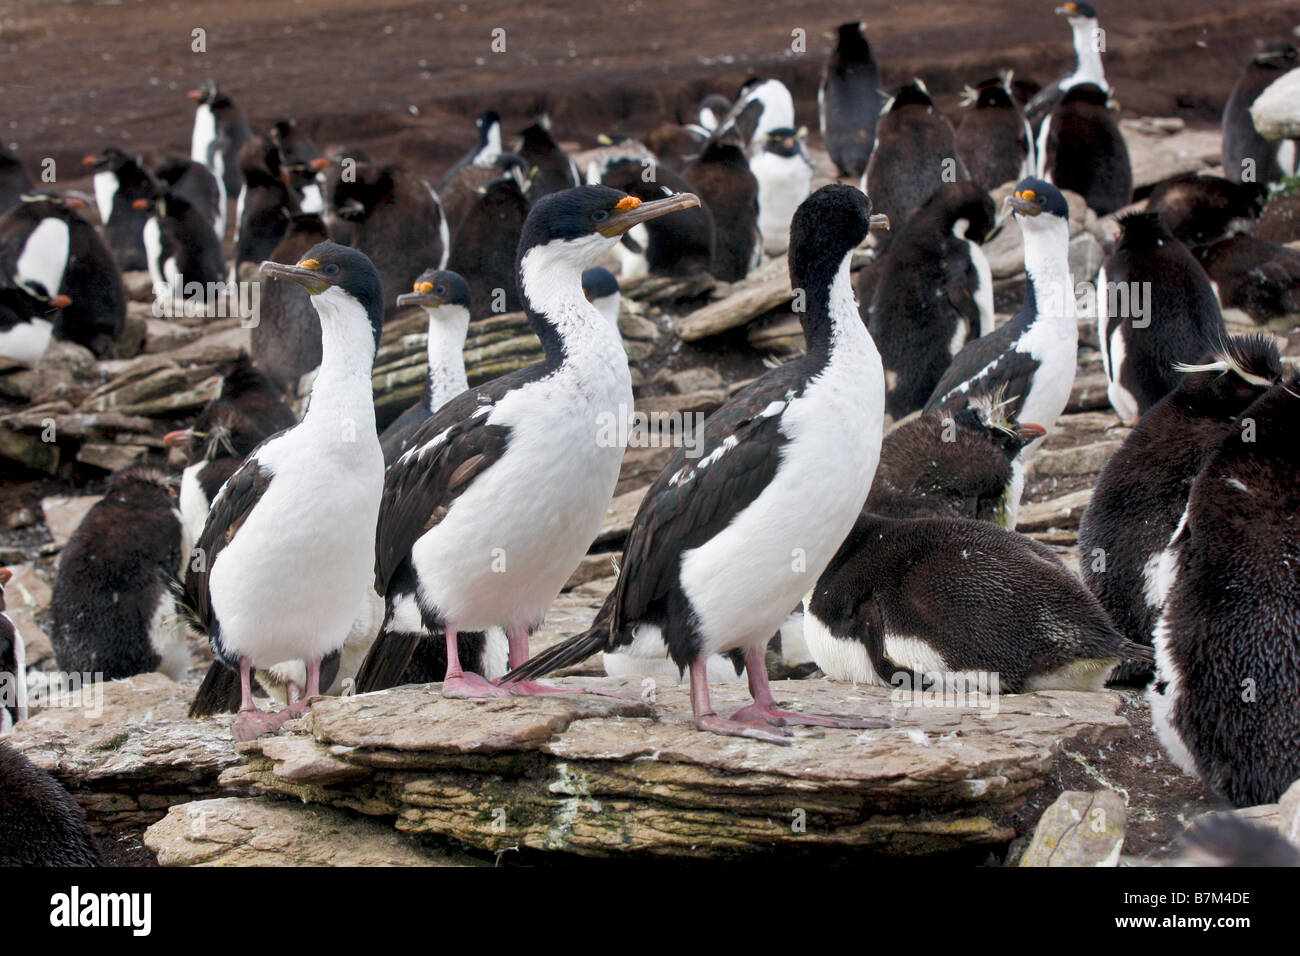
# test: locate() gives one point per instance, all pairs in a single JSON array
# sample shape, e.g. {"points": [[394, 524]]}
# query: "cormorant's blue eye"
{"points": [[600, 215], [441, 290], [332, 269]]}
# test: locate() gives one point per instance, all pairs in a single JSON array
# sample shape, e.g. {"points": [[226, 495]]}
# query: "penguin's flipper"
{"points": [[1043, 102], [872, 632]]}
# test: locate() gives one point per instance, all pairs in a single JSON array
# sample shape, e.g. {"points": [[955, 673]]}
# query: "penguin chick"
{"points": [[286, 341], [947, 598], [933, 293], [1200, 209], [1228, 638], [1080, 148], [43, 825], [721, 177], [483, 248], [849, 100], [1142, 491], [994, 140], [112, 608], [1155, 310]]}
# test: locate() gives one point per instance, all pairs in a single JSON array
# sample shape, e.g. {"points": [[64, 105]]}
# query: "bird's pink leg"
{"points": [[707, 719], [764, 706], [518, 638], [301, 705], [457, 683], [250, 722]]}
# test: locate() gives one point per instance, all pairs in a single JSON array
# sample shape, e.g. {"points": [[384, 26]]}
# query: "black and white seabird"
{"points": [[301, 164], [938, 598], [501, 493], [1080, 148], [247, 409], [1228, 639], [287, 555], [676, 145], [393, 217], [1260, 278], [220, 131], [463, 192], [1142, 492], [113, 611], [784, 173], [713, 109], [1248, 156], [48, 251], [13, 666], [184, 254], [1088, 46], [1034, 356], [722, 178], [43, 824], [726, 543], [761, 107], [14, 181], [195, 183], [484, 153], [445, 298], [286, 341], [1156, 309], [27, 324], [915, 154], [266, 204], [933, 292], [849, 100], [120, 180], [994, 140]]}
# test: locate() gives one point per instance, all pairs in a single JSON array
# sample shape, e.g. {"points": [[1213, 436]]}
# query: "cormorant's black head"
{"points": [[1077, 11], [1224, 383], [327, 266], [586, 221], [598, 282], [437, 287], [1278, 56], [826, 227], [1036, 197]]}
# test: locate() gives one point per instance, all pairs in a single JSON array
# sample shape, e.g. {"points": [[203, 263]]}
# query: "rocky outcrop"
{"points": [[602, 776], [1276, 111], [230, 831], [1079, 829]]}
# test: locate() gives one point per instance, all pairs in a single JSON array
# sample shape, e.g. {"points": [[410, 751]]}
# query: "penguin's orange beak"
{"points": [[179, 439], [89, 160], [5, 576], [61, 301], [194, 95], [140, 204], [1030, 432], [318, 164]]}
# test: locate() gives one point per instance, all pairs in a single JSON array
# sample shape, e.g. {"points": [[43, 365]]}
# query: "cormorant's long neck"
{"points": [[570, 327], [1047, 262], [448, 325], [342, 397], [1087, 55], [830, 313]]}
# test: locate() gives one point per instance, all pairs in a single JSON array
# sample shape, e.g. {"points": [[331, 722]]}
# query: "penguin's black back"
{"points": [[554, 168], [985, 598], [992, 139], [915, 148], [1231, 628], [1260, 278], [1184, 317], [124, 231], [850, 101], [1086, 152], [43, 825], [192, 181], [1203, 209], [721, 178], [1142, 491], [14, 181], [680, 244], [924, 292], [398, 225], [112, 577], [483, 248], [187, 236], [286, 342]]}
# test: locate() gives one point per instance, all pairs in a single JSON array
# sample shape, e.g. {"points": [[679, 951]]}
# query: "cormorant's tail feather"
{"points": [[386, 661], [565, 654], [218, 694]]}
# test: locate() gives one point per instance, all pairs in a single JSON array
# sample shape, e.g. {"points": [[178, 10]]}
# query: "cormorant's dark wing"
{"points": [[987, 362], [694, 499]]}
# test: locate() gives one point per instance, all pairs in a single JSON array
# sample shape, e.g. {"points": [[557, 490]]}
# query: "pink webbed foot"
{"points": [[533, 688], [469, 686], [753, 729], [771, 714], [251, 724]]}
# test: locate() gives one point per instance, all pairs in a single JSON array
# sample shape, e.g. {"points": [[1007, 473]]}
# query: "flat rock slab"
{"points": [[259, 831], [603, 776], [63, 515], [1079, 829], [130, 754]]}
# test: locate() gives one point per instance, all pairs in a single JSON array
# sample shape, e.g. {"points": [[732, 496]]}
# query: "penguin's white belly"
{"points": [[194, 503], [983, 291], [105, 184], [744, 581], [167, 637], [27, 341], [509, 543], [205, 131], [312, 203], [291, 582], [783, 183], [1163, 705]]}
